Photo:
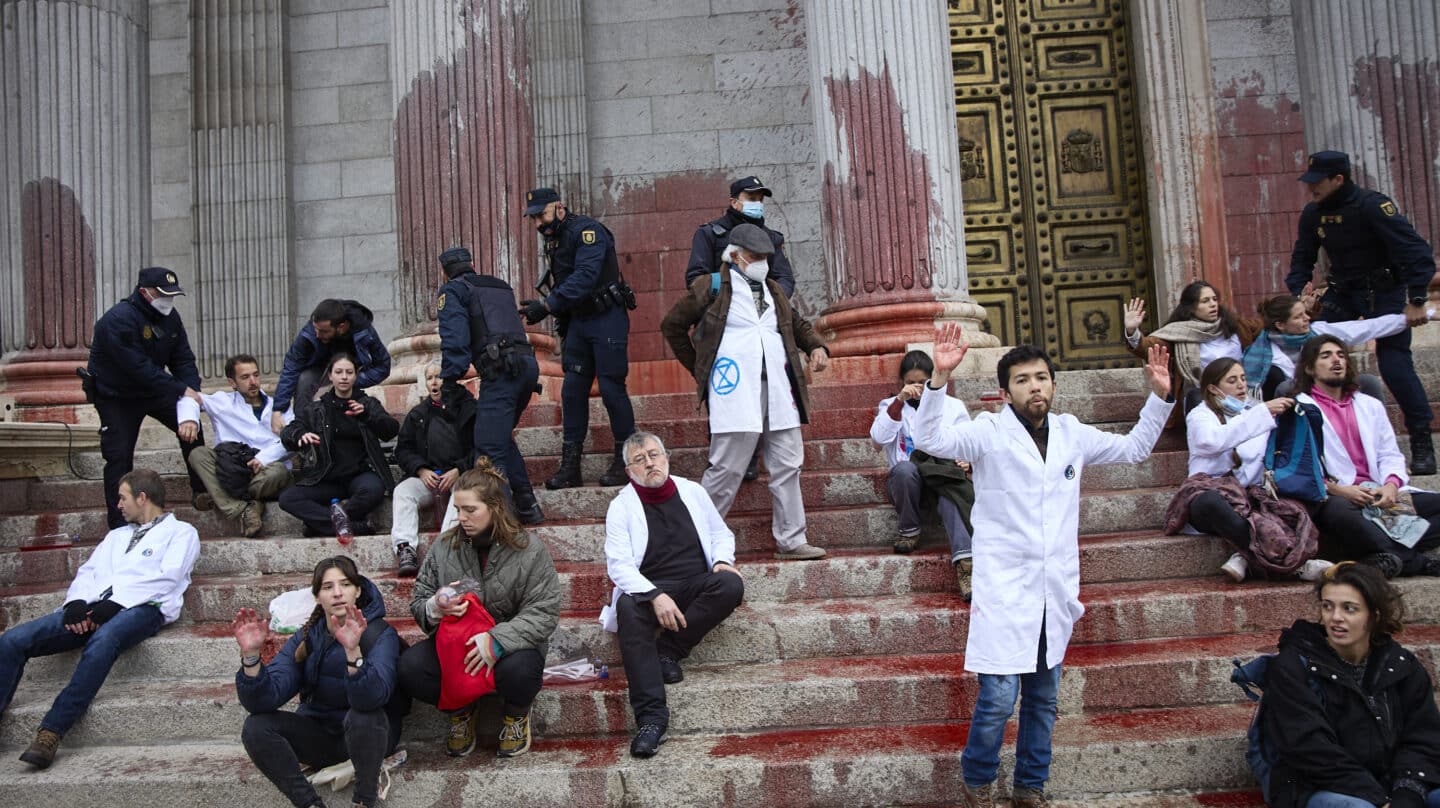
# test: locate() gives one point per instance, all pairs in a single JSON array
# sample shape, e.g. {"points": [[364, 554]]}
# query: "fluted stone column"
{"points": [[892, 216], [74, 183], [557, 90]]}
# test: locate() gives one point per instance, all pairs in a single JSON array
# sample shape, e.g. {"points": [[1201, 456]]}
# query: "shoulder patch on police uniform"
{"points": [[1320, 231], [440, 304], [587, 236], [1388, 208], [147, 332]]}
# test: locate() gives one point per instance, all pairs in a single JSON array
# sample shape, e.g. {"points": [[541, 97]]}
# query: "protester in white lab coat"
{"points": [[1270, 359], [1027, 558], [132, 584]]}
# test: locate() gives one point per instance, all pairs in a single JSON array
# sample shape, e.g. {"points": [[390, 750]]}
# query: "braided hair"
{"points": [[347, 568], [490, 485]]}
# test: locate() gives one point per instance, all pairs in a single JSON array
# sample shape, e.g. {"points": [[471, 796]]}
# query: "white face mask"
{"points": [[163, 304], [756, 271]]}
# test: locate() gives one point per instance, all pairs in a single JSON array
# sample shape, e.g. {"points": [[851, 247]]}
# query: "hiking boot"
{"points": [[407, 563], [670, 671], [1237, 568], [515, 736], [1028, 798], [527, 507], [980, 797], [252, 519], [568, 475], [616, 475], [202, 501], [752, 471], [964, 571], [1422, 454], [805, 552], [42, 752], [1388, 564], [461, 739], [904, 545], [647, 740], [1313, 570]]}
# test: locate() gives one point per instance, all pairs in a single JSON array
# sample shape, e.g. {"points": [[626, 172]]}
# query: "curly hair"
{"points": [[490, 485], [1386, 604], [1305, 378]]}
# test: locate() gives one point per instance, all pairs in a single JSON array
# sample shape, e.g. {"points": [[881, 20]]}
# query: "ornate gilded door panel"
{"points": [[1049, 153]]}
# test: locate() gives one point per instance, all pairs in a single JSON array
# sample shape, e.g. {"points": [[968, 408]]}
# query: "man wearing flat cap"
{"points": [[748, 353], [480, 327], [591, 302], [1378, 265], [140, 365]]}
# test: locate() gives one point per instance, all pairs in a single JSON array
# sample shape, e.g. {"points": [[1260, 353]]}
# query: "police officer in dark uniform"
{"points": [[591, 303], [140, 364], [479, 326], [1378, 265]]}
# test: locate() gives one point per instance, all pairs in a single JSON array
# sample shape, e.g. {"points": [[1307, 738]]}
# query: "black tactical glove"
{"points": [[75, 612], [534, 310]]}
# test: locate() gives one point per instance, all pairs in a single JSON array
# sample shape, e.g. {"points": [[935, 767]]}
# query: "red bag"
{"points": [[452, 643]]}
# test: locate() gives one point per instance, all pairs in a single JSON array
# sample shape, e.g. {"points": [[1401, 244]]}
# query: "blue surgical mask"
{"points": [[753, 210], [1232, 405]]}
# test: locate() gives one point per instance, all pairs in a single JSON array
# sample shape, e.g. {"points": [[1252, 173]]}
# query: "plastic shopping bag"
{"points": [[290, 610]]}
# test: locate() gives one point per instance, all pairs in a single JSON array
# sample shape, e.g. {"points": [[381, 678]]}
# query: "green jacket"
{"points": [[521, 588]]}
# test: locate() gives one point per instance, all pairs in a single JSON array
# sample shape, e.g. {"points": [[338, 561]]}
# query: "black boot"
{"points": [[616, 475], [527, 507], [1422, 454], [752, 471], [568, 475]]}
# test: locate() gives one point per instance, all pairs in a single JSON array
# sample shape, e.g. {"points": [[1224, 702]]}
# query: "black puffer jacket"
{"points": [[435, 437], [319, 416], [1348, 738]]}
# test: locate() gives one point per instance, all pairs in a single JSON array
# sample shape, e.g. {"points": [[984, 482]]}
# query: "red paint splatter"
{"points": [[1405, 97], [59, 264]]}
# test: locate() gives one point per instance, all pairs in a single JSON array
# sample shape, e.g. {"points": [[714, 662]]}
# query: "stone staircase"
{"points": [[838, 682]]}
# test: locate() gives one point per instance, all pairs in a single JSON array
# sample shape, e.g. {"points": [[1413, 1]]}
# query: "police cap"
{"points": [[1323, 164], [536, 200], [748, 184], [162, 279], [455, 256], [752, 239]]}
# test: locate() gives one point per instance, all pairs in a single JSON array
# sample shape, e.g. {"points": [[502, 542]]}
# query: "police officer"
{"points": [[479, 326], [591, 302], [140, 364], [1378, 265]]}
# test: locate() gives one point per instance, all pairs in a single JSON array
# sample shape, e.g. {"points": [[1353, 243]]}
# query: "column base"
{"points": [[41, 385]]}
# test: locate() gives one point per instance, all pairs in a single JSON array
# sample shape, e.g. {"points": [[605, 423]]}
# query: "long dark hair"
{"points": [[1386, 605], [1305, 379], [486, 482], [1190, 298], [1275, 310], [916, 360], [352, 574], [1213, 373]]}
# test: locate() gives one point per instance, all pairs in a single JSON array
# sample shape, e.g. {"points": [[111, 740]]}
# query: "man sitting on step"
{"points": [[241, 418], [132, 584], [672, 560]]}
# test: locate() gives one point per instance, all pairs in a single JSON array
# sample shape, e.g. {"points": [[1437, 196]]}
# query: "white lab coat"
{"points": [[898, 436], [233, 420], [1352, 332], [1026, 518], [156, 571], [1377, 437], [627, 535], [1212, 443], [751, 343]]}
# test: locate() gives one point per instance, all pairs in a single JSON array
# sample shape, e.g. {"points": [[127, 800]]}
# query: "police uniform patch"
{"points": [[169, 277], [147, 332], [1388, 208], [440, 304], [1320, 231], [587, 236]]}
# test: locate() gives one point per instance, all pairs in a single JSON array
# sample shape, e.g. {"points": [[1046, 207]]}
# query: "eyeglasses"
{"points": [[653, 454]]}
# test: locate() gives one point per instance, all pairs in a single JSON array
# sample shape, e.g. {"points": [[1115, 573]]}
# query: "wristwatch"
{"points": [[1419, 300], [357, 664], [250, 661]]}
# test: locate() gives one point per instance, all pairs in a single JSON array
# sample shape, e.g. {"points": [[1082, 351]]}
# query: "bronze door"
{"points": [[1055, 233]]}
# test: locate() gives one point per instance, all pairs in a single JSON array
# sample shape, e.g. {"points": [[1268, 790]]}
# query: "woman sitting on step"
{"points": [[1270, 359], [1224, 494], [345, 428], [915, 476], [514, 609], [1349, 712], [341, 663], [1199, 331]]}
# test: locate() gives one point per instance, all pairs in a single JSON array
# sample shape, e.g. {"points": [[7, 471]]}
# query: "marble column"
{"points": [[892, 218], [1370, 83], [74, 183]]}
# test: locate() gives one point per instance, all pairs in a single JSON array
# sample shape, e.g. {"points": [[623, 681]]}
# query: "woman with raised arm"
{"points": [[1199, 331], [1270, 359]]}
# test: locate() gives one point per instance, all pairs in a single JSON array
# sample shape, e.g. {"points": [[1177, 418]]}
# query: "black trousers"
{"points": [[120, 420], [311, 503], [517, 676], [1344, 526], [278, 743], [1210, 513], [706, 600]]}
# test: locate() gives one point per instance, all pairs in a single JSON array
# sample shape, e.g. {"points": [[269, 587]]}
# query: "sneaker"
{"points": [[42, 752], [670, 670], [461, 739], [647, 740], [1028, 798], [1236, 568], [804, 552], [964, 570], [252, 519], [1388, 564], [904, 545], [1313, 570], [515, 736], [363, 527], [981, 797], [202, 501], [406, 562]]}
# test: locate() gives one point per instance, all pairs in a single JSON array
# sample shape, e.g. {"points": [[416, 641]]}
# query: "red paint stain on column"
{"points": [[59, 264], [1405, 97]]}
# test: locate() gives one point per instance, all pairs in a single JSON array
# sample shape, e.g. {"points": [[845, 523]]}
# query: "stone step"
{"points": [[1104, 753]]}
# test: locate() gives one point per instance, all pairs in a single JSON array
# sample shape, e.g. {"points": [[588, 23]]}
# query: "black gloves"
{"points": [[75, 612], [534, 310], [103, 610]]}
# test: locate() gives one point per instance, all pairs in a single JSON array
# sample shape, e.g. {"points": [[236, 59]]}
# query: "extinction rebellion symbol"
{"points": [[726, 376]]}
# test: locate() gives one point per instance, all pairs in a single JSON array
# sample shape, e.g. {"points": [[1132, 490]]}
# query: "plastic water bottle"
{"points": [[457, 590], [341, 522]]}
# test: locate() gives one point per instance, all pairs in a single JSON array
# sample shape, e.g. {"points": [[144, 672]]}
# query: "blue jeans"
{"points": [[1329, 799], [47, 635], [1039, 696]]}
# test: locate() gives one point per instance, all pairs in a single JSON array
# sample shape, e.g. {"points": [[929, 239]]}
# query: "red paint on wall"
{"points": [[59, 267], [1406, 98], [876, 216]]}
